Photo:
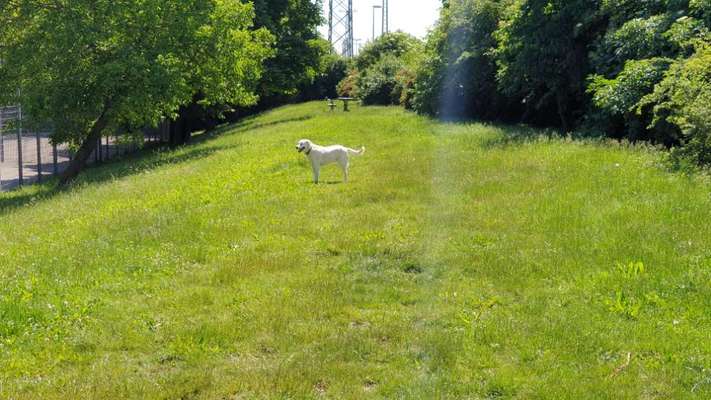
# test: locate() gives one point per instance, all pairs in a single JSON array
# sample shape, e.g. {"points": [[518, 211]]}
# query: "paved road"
{"points": [[9, 167]]}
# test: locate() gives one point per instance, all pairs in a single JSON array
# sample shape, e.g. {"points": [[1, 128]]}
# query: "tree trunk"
{"points": [[561, 104], [177, 132], [181, 127], [87, 147]]}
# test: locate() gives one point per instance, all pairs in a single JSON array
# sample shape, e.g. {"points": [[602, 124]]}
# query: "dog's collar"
{"points": [[308, 152]]}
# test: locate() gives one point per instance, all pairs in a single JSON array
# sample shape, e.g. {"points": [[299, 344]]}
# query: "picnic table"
{"points": [[345, 101]]}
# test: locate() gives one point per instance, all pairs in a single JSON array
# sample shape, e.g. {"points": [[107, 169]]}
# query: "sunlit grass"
{"points": [[456, 264]]}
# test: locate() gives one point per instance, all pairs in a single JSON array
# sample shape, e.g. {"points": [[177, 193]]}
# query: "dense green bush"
{"points": [[347, 87], [377, 84], [397, 44], [457, 78], [619, 98], [625, 68], [542, 57], [384, 71], [683, 99], [404, 89], [636, 39], [331, 70], [701, 9]]}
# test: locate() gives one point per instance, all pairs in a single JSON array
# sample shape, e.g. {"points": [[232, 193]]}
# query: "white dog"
{"points": [[320, 155]]}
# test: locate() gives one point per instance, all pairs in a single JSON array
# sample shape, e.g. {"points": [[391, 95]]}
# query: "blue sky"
{"points": [[411, 16]]}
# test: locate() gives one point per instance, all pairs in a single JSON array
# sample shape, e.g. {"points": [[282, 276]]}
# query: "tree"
{"points": [[397, 44], [542, 56], [623, 68], [382, 73], [458, 77], [332, 68], [298, 52], [683, 99], [87, 67]]}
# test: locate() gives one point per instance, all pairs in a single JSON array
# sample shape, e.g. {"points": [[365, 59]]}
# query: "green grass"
{"points": [[458, 263]]}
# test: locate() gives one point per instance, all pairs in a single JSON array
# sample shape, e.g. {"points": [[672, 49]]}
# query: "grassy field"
{"points": [[460, 262]]}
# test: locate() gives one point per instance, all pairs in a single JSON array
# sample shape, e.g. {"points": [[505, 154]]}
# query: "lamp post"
{"points": [[375, 8]]}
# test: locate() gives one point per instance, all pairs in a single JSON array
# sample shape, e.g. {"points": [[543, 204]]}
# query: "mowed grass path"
{"points": [[456, 264]]}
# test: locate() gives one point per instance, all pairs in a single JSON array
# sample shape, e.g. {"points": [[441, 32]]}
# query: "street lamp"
{"points": [[374, 8]]}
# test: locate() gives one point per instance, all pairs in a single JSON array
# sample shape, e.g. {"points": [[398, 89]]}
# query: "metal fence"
{"points": [[28, 156]]}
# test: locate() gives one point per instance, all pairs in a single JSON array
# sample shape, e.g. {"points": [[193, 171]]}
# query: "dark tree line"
{"points": [[632, 69]]}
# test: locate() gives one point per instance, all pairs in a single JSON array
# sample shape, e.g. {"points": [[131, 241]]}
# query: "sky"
{"points": [[412, 16]]}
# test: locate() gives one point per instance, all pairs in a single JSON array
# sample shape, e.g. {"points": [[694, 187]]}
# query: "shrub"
{"points": [[683, 99], [397, 44], [332, 70], [458, 76], [619, 98], [377, 84], [384, 71], [638, 38], [701, 9], [405, 87], [347, 87]]}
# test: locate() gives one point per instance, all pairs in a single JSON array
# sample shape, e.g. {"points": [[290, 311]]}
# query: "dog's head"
{"points": [[304, 145]]}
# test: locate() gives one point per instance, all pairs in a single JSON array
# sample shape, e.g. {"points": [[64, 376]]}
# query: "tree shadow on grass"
{"points": [[151, 157], [251, 123], [511, 135], [156, 158], [148, 158]]}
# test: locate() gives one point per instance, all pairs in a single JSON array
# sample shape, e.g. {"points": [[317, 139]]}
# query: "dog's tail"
{"points": [[357, 152]]}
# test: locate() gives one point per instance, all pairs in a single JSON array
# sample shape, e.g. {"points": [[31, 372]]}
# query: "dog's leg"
{"points": [[317, 171], [344, 167]]}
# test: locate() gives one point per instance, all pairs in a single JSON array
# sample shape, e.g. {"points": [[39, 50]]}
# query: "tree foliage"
{"points": [[457, 77], [298, 50], [383, 73], [683, 99], [376, 85], [396, 44], [604, 65], [618, 99], [330, 70], [542, 56], [88, 66]]}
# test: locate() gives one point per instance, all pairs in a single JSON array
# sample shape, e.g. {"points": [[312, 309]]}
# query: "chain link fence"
{"points": [[28, 156]]}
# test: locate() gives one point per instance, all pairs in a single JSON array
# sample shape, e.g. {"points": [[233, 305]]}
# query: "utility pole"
{"points": [[340, 26], [386, 16], [376, 7]]}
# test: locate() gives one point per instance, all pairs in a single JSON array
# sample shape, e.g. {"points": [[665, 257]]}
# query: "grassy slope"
{"points": [[455, 264]]}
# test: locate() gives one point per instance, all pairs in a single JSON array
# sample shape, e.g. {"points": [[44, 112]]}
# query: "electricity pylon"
{"points": [[340, 26]]}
